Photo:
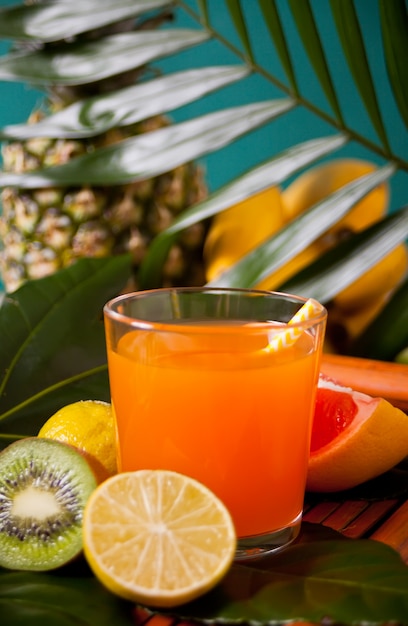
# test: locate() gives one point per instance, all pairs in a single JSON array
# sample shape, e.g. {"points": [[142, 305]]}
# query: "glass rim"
{"points": [[143, 324]]}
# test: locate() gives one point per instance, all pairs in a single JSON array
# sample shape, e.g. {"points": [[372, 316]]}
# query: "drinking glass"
{"points": [[201, 384]]}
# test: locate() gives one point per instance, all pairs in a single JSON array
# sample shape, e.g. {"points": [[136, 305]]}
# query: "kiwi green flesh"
{"points": [[44, 486]]}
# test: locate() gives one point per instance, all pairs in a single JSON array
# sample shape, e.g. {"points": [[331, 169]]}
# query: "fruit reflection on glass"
{"points": [[199, 387]]}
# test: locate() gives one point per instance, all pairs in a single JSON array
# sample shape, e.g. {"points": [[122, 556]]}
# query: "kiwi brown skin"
{"points": [[44, 486]]}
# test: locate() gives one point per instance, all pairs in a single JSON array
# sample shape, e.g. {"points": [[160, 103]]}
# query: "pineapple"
{"points": [[46, 229]]}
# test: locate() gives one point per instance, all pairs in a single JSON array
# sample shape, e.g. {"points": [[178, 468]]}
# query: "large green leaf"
{"points": [[153, 153], [387, 335], [323, 577], [53, 346], [58, 21], [341, 581], [28, 599], [88, 62]]}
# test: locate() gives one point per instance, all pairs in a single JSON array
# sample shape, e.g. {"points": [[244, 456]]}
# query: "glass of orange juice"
{"points": [[199, 385]]}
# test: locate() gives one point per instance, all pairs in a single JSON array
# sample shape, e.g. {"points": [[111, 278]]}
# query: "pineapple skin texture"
{"points": [[45, 230]]}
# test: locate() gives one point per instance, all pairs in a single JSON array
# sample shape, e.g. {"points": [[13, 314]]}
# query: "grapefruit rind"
{"points": [[372, 444]]}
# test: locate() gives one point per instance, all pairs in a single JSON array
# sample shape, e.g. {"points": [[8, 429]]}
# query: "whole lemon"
{"points": [[89, 426]]}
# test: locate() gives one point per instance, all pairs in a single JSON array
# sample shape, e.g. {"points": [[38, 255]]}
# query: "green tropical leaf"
{"points": [[274, 24], [58, 600], [149, 154], [352, 41], [346, 582], [58, 21], [294, 237], [272, 172], [306, 25], [92, 61], [203, 6], [129, 105], [341, 266], [133, 160], [53, 346], [352, 582], [387, 335], [234, 7], [394, 25]]}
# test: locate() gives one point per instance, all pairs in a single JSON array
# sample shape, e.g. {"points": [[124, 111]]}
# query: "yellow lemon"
{"points": [[319, 182], [157, 537], [89, 426], [237, 230]]}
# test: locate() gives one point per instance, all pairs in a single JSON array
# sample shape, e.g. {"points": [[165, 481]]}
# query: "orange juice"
{"points": [[209, 401]]}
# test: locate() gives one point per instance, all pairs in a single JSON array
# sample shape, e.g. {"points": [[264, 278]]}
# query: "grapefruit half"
{"points": [[355, 437]]}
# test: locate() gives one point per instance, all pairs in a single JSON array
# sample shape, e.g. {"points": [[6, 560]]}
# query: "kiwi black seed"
{"points": [[44, 486]]}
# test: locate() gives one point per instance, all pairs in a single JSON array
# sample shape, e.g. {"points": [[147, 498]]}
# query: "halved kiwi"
{"points": [[44, 486]]}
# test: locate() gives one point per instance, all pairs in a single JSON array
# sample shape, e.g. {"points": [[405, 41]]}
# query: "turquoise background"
{"points": [[17, 100]]}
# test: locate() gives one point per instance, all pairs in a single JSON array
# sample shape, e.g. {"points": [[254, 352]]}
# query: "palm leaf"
{"points": [[306, 25], [96, 115], [293, 238], [337, 268], [352, 41], [394, 25], [198, 134], [96, 60], [148, 155], [274, 25], [387, 335], [271, 172], [58, 21]]}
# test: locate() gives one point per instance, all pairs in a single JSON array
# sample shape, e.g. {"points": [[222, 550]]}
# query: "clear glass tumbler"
{"points": [[202, 384]]}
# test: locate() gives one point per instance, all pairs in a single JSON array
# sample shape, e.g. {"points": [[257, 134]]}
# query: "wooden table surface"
{"points": [[383, 520]]}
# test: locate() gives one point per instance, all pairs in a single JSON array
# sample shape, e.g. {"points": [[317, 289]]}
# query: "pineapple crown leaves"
{"points": [[53, 344]]}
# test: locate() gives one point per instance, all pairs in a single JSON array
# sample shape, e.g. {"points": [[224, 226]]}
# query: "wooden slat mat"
{"points": [[385, 520]]}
